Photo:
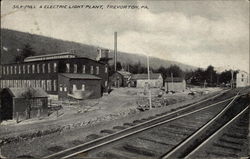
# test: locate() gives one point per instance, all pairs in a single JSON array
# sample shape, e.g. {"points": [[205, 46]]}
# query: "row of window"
{"points": [[33, 68], [48, 85], [41, 68], [84, 69]]}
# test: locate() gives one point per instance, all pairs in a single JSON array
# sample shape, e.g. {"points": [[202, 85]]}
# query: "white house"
{"points": [[140, 80], [242, 79]]}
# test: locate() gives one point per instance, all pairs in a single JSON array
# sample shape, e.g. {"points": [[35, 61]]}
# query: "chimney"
{"points": [[99, 54]]}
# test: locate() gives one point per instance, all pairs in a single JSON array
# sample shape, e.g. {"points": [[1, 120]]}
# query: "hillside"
{"points": [[12, 40]]}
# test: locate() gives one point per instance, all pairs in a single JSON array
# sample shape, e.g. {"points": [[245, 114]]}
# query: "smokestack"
{"points": [[115, 50]]}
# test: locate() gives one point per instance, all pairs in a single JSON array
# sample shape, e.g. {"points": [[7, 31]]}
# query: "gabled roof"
{"points": [[20, 92], [80, 76], [145, 76], [175, 79], [124, 73]]}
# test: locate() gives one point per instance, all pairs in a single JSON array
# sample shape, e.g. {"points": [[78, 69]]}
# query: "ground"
{"points": [[82, 118]]}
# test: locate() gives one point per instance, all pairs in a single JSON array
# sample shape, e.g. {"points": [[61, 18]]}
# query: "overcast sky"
{"points": [[192, 32]]}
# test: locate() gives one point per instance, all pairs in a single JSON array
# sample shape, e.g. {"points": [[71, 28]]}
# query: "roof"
{"points": [[80, 76], [175, 79], [124, 73], [49, 55], [145, 76], [19, 92]]}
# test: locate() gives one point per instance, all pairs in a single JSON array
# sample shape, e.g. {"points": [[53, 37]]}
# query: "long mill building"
{"points": [[62, 74]]}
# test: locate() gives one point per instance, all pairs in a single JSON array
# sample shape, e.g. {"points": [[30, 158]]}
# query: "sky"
{"points": [[198, 33]]}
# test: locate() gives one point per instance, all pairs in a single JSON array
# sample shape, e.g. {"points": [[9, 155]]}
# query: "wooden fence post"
{"points": [[17, 117]]}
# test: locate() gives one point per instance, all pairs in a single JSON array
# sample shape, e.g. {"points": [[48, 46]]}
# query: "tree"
{"points": [[28, 96], [25, 52]]}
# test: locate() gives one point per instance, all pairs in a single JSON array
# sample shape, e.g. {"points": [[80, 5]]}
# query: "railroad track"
{"points": [[150, 137]]}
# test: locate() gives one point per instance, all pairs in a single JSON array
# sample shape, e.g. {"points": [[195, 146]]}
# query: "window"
{"points": [[11, 70], [48, 67], [19, 69], [37, 68], [23, 69], [67, 67], [106, 69], [49, 85], [33, 68], [61, 89], [75, 68], [65, 89], [83, 69], [4, 70], [28, 69], [55, 86], [55, 67], [15, 69], [43, 68], [83, 87], [7, 70], [74, 87], [242, 75], [97, 70], [43, 85], [91, 70], [242, 80]]}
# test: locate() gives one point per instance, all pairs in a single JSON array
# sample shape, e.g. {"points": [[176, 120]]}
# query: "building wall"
{"points": [[44, 74], [39, 108], [175, 86], [92, 88], [242, 79], [154, 83]]}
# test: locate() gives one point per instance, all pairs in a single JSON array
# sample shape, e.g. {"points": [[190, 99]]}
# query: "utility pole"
{"points": [[172, 80], [232, 79], [115, 50], [149, 91]]}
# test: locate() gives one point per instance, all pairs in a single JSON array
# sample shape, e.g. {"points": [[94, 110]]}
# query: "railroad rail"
{"points": [[170, 122]]}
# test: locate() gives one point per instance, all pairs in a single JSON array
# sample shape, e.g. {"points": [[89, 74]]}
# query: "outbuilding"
{"points": [[242, 79], [121, 79], [175, 84], [79, 86], [141, 80], [23, 103]]}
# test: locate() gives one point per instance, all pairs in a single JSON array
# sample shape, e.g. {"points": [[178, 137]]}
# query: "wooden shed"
{"points": [[175, 84], [23, 103], [121, 79]]}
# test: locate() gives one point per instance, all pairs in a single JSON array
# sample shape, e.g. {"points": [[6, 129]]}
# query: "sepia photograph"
{"points": [[124, 79]]}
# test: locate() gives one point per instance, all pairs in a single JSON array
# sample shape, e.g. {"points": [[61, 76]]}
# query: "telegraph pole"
{"points": [[149, 91], [115, 50]]}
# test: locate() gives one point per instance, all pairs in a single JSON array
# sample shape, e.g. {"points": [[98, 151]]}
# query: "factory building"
{"points": [[44, 72]]}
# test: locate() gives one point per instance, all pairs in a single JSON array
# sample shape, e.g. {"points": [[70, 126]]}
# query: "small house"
{"points": [[175, 84], [23, 103], [242, 79], [121, 79], [141, 80]]}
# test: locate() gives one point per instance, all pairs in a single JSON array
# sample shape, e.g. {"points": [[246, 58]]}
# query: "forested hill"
{"points": [[13, 40]]}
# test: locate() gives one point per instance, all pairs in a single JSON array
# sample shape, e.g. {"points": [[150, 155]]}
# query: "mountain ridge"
{"points": [[12, 41]]}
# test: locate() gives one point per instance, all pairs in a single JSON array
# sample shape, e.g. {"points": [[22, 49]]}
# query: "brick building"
{"points": [[43, 72]]}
